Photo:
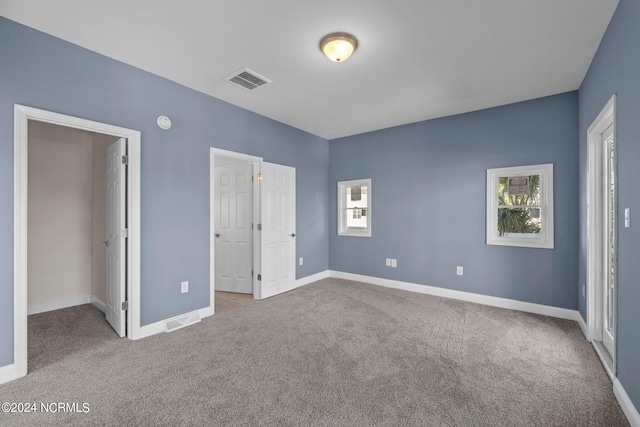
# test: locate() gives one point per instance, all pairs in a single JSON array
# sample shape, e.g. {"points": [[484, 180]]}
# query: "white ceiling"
{"points": [[416, 60]]}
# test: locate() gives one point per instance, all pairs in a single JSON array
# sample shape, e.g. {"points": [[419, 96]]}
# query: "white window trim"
{"points": [[342, 190], [546, 239]]}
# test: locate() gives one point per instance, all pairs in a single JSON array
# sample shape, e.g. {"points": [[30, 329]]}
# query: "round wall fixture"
{"points": [[164, 122]]}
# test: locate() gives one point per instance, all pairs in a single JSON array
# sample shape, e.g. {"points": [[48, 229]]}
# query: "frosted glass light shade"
{"points": [[338, 47]]}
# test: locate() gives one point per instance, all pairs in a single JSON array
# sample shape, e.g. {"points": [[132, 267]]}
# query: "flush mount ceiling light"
{"points": [[338, 47]]}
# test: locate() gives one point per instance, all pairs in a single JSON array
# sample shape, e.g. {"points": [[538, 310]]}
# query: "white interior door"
{"points": [[278, 223], [115, 239], [232, 228]]}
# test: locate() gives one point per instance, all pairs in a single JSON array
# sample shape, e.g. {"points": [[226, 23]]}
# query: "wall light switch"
{"points": [[301, 261], [394, 262], [184, 287], [627, 218], [459, 270], [388, 262]]}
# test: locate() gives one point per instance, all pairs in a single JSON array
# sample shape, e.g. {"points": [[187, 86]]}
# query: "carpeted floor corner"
{"points": [[332, 353]]}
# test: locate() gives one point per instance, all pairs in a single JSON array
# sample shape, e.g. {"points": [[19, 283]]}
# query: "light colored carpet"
{"points": [[332, 353]]}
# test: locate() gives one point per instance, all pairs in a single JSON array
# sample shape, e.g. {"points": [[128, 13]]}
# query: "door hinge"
{"points": [[259, 227], [125, 160], [125, 305], [125, 233], [251, 178], [259, 277], [251, 273], [252, 226]]}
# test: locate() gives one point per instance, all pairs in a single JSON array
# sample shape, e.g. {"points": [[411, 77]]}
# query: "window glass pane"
{"points": [[519, 206], [357, 197], [356, 206], [523, 222], [356, 219], [519, 190]]}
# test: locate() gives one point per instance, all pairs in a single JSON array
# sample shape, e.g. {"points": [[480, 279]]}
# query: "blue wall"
{"points": [[41, 71], [428, 201], [616, 69]]}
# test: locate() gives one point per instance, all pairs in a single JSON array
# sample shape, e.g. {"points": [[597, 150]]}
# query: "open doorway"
{"points": [[128, 227], [602, 236], [233, 226], [66, 250], [233, 232], [253, 207], [67, 204]]}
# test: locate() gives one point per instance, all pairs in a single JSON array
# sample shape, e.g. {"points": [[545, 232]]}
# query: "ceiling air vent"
{"points": [[247, 79]]}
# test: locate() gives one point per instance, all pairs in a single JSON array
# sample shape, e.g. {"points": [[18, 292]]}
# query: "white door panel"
{"points": [[116, 243], [277, 238], [232, 228]]}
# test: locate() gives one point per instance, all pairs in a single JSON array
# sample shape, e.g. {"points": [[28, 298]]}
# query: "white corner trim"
{"points": [[160, 326], [626, 404], [9, 373], [528, 307], [57, 305], [99, 304], [584, 327]]}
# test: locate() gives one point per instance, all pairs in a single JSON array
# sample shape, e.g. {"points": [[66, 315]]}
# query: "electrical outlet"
{"points": [[388, 262], [184, 287], [459, 270], [584, 291], [300, 261], [394, 262]]}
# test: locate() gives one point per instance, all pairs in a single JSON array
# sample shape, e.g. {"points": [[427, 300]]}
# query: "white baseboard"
{"points": [[626, 404], [160, 326], [57, 305], [9, 373], [99, 304], [545, 310], [313, 278]]}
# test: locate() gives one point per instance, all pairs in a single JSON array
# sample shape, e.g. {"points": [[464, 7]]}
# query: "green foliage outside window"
{"points": [[519, 213]]}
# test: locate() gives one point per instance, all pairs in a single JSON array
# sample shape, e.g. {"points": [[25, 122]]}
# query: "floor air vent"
{"points": [[247, 79], [181, 322]]}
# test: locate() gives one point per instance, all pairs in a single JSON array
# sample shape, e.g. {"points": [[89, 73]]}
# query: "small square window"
{"points": [[520, 206], [354, 208]]}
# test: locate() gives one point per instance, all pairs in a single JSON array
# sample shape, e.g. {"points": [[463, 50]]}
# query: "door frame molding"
{"points": [[213, 153], [22, 115], [606, 118]]}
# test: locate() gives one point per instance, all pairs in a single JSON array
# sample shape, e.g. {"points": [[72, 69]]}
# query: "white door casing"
{"points": [[22, 115], [597, 239], [115, 238], [278, 223], [232, 229]]}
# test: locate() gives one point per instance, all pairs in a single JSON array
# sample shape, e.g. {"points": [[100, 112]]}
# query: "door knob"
{"points": [[293, 234], [217, 234], [106, 243]]}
